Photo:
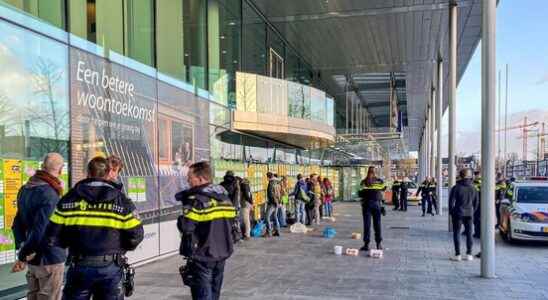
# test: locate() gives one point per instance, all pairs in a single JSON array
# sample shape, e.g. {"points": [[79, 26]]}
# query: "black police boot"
{"points": [[423, 213], [365, 247], [379, 246], [276, 233]]}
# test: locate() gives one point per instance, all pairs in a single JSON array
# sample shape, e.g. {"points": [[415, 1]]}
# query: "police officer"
{"points": [[477, 212], [396, 193], [206, 228], [98, 224], [371, 194], [426, 197], [500, 192], [433, 196], [403, 194]]}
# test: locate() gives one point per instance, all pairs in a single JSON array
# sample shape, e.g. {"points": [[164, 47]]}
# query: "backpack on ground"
{"points": [[259, 229]]}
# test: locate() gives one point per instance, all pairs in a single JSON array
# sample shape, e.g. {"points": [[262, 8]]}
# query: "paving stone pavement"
{"points": [[415, 266]]}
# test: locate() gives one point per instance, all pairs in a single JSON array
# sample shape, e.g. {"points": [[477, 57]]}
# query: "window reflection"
{"points": [[33, 121]]}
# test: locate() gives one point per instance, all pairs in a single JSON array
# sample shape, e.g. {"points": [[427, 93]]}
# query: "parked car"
{"points": [[411, 192], [525, 215]]}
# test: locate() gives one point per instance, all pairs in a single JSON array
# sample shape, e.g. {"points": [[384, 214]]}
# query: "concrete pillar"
{"points": [[452, 100], [427, 143], [439, 105], [488, 85], [452, 92], [432, 157]]}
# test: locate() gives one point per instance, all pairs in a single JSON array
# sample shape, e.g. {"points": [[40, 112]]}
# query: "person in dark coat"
{"points": [[231, 186], [463, 202], [36, 202], [396, 186]]}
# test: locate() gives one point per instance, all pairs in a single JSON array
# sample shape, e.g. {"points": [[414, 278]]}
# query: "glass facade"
{"points": [[224, 40], [34, 120], [201, 42], [177, 66]]}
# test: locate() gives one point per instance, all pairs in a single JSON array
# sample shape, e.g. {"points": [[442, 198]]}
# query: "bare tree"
{"points": [[48, 112]]}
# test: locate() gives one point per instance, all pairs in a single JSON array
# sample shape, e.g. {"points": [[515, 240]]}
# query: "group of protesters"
{"points": [[307, 202]]}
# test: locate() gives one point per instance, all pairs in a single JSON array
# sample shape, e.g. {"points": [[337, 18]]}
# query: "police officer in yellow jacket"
{"points": [[207, 232], [98, 224], [500, 193], [371, 194], [477, 213]]}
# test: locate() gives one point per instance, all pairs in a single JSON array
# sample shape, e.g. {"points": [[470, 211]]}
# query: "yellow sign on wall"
{"points": [[12, 183]]}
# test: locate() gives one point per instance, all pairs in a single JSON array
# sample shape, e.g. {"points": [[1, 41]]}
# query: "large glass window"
{"points": [[169, 38], [109, 24], [195, 41], [254, 37], [224, 30], [34, 120], [317, 105], [140, 30], [125, 27], [51, 11]]}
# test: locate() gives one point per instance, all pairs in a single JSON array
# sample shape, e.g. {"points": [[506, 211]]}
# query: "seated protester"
{"points": [[206, 229]]}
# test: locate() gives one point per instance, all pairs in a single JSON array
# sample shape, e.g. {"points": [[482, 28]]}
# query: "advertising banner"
{"points": [[114, 112], [157, 129], [12, 184], [1, 194]]}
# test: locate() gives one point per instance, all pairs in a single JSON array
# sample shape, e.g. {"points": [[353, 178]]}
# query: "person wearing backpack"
{"points": [[273, 194], [300, 192], [317, 191]]}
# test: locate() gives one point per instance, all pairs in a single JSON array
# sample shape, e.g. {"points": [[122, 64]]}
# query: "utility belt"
{"points": [[95, 260], [101, 261]]}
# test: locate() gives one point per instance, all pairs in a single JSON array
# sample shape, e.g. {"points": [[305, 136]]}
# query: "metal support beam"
{"points": [[439, 104], [368, 12], [488, 87], [452, 97]]}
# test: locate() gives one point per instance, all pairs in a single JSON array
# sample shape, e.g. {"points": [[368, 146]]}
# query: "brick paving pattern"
{"points": [[415, 266]]}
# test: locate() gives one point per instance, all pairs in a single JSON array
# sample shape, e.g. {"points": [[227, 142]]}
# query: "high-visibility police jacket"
{"points": [[477, 184], [95, 218], [510, 190], [371, 193], [431, 189], [427, 189], [396, 186], [206, 223], [500, 190]]}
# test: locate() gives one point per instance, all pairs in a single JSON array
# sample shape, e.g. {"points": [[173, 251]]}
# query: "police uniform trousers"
{"points": [[371, 212], [396, 200], [97, 280]]}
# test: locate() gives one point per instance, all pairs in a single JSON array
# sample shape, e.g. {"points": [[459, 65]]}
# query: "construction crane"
{"points": [[541, 140], [525, 131]]}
